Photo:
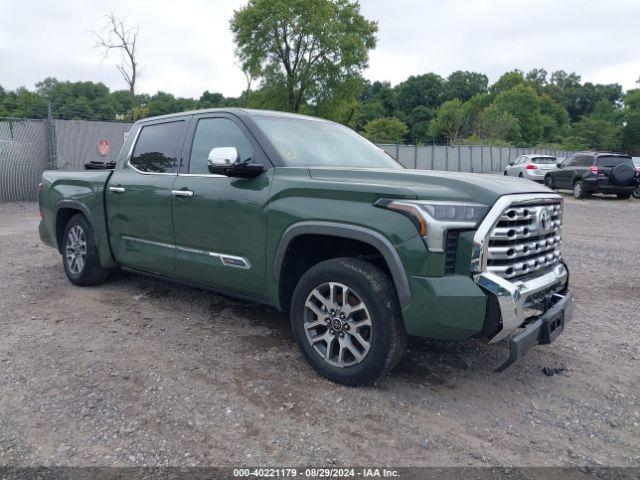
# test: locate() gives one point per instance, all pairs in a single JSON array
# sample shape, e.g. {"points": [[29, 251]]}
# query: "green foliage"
{"points": [[523, 103], [385, 130], [631, 130], [465, 85], [421, 90], [302, 44], [598, 134], [495, 124], [448, 121], [508, 81]]}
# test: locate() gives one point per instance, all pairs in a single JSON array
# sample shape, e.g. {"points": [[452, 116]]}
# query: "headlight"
{"points": [[433, 219]]}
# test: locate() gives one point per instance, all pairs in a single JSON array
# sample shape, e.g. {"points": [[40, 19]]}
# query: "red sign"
{"points": [[103, 147]]}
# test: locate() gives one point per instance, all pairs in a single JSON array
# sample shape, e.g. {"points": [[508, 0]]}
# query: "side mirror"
{"points": [[226, 161], [223, 157], [559, 164]]}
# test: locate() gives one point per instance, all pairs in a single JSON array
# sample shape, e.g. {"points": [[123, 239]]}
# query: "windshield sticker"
{"points": [[290, 154]]}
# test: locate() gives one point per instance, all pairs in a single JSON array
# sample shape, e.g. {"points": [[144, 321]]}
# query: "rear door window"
{"points": [[613, 161], [544, 160], [157, 147]]}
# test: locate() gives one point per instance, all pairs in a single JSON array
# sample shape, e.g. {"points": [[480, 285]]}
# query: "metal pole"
{"points": [[397, 151], [446, 158], [415, 157], [433, 154], [51, 139], [459, 159]]}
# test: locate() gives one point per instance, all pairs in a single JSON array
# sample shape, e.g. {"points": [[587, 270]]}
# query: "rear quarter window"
{"points": [[613, 161], [157, 147]]}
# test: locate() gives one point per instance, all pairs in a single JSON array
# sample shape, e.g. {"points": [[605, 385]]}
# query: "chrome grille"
{"points": [[526, 240]]}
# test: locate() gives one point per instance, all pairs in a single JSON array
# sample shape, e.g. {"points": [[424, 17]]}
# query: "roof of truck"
{"points": [[241, 112]]}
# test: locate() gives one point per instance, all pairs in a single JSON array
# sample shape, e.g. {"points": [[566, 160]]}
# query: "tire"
{"points": [[80, 253], [520, 175], [505, 173], [636, 193], [578, 190], [623, 196], [548, 182], [381, 339]]}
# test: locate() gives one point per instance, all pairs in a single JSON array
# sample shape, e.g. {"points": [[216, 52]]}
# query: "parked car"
{"points": [[636, 192], [595, 172], [307, 216], [531, 166]]}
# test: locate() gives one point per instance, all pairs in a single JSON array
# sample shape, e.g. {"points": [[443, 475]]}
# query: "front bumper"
{"points": [[542, 330], [541, 305]]}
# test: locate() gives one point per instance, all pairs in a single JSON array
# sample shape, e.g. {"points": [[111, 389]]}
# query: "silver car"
{"points": [[531, 166]]}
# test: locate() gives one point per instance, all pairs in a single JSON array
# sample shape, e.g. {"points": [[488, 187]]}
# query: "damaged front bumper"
{"points": [[541, 305]]}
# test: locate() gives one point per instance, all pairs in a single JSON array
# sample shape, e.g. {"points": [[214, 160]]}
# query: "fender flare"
{"points": [[72, 204], [353, 232]]}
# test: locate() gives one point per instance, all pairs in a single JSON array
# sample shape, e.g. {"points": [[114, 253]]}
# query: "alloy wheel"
{"points": [[338, 325], [76, 249]]}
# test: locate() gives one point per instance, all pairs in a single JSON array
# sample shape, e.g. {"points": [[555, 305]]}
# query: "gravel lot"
{"points": [[142, 372]]}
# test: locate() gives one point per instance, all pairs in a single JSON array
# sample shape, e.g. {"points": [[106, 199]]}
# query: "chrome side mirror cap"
{"points": [[223, 157]]}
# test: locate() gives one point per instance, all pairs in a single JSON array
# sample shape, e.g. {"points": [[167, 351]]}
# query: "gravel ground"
{"points": [[139, 372]]}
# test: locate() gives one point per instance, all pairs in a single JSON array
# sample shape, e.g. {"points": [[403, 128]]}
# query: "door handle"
{"points": [[182, 193], [116, 189]]}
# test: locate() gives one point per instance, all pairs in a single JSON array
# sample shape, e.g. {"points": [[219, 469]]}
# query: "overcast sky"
{"points": [[185, 46]]}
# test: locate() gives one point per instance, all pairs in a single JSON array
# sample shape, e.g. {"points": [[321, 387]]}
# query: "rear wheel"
{"points": [[578, 190], [520, 175], [623, 196], [80, 253], [636, 193], [346, 319], [548, 182]]}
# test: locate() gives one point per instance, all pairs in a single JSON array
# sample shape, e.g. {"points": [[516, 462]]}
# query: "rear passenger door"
{"points": [[138, 198]]}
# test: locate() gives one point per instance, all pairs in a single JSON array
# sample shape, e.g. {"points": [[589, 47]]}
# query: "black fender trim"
{"points": [[354, 232]]}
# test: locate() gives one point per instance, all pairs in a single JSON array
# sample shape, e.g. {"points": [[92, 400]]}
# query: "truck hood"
{"points": [[430, 184]]}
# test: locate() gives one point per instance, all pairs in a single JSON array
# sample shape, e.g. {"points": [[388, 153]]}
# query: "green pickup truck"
{"points": [[307, 216]]}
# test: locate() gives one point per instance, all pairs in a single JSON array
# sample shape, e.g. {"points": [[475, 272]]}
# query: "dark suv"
{"points": [[593, 172]]}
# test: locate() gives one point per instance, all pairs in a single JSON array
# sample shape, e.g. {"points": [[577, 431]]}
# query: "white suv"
{"points": [[531, 166]]}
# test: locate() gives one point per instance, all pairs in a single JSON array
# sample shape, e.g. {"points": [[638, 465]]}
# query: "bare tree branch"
{"points": [[117, 36]]}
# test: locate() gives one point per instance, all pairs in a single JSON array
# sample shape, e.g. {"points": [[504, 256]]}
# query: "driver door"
{"points": [[219, 221]]}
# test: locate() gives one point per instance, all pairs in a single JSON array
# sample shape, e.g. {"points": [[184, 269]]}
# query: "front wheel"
{"points": [[636, 193], [346, 319], [80, 253], [578, 190]]}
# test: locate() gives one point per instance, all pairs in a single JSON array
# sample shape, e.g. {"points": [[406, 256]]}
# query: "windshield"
{"points": [[613, 161], [306, 143], [544, 160]]}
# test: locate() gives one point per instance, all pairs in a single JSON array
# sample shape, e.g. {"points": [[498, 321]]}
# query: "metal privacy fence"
{"points": [[28, 147], [461, 158]]}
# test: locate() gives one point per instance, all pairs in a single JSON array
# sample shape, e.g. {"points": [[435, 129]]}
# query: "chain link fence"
{"points": [[28, 147]]}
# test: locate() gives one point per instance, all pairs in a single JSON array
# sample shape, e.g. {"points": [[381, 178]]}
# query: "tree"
{"points": [[448, 121], [523, 103], [121, 38], [598, 134], [385, 130], [631, 130], [494, 124], [507, 81], [464, 85], [426, 90], [305, 43]]}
